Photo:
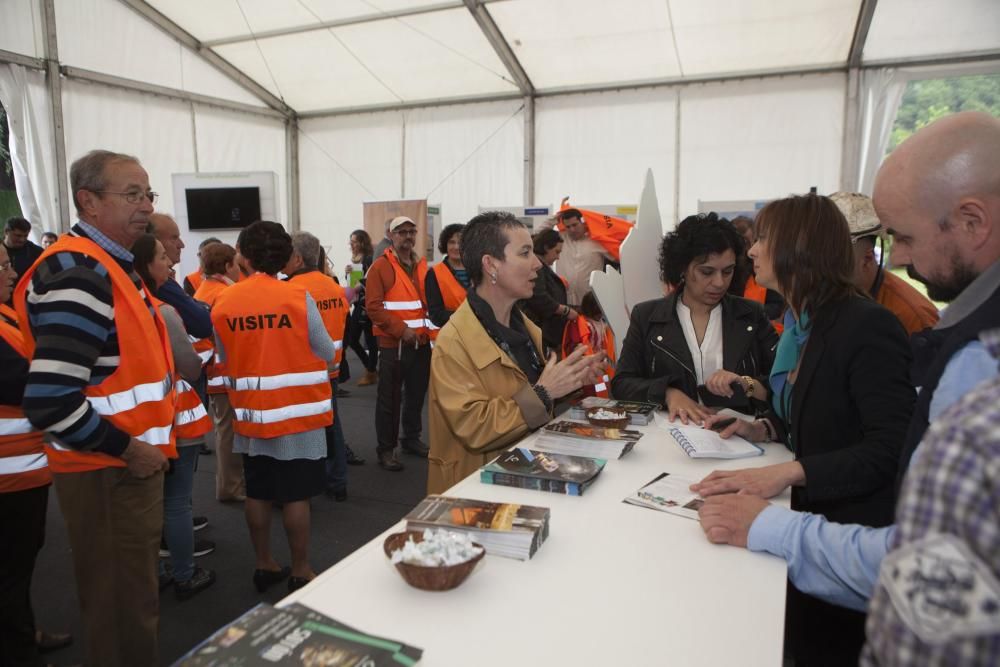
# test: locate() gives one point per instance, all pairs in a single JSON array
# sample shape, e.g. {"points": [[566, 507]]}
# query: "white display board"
{"points": [[535, 218], [265, 181], [733, 209]]}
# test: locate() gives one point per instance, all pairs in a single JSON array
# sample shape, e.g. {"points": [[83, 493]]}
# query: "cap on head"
{"points": [[860, 213], [399, 221]]}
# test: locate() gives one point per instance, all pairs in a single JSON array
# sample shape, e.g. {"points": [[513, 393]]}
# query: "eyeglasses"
{"points": [[132, 196], [406, 232]]}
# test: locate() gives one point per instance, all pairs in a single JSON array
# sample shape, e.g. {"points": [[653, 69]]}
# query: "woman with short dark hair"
{"points": [[490, 382], [275, 348], [547, 307], [447, 281], [698, 334], [841, 397]]}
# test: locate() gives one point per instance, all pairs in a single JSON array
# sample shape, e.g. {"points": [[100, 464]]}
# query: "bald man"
{"points": [[938, 194], [196, 318]]}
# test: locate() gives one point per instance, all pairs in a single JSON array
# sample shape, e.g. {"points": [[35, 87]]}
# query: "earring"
{"points": [[493, 278]]}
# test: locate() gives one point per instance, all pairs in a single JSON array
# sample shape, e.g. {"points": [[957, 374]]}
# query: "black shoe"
{"points": [[199, 522], [203, 547], [415, 447], [388, 461], [342, 393], [264, 579], [51, 641], [353, 459], [295, 583], [203, 450], [340, 495], [199, 581]]}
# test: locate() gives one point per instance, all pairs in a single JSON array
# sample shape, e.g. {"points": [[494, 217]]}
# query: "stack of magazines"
{"points": [[530, 469], [574, 438], [295, 635], [639, 414], [504, 529]]}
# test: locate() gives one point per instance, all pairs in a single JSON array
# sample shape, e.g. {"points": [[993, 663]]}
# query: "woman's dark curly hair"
{"points": [[446, 235], [695, 238], [266, 245]]}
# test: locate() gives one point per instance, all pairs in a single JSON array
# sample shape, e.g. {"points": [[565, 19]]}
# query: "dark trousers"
{"points": [[336, 448], [22, 533], [114, 522], [820, 634], [402, 385], [355, 330]]}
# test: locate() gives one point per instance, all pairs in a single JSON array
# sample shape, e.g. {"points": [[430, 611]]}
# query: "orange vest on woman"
{"points": [[208, 292], [139, 397], [452, 292], [331, 300], [601, 387], [191, 420], [23, 464], [277, 386], [406, 300]]}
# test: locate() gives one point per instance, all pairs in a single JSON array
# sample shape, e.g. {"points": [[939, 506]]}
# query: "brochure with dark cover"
{"points": [[640, 414], [588, 432], [504, 529], [296, 635], [530, 469]]}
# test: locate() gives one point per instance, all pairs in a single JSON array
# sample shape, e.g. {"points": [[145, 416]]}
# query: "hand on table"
{"points": [[680, 406], [754, 431], [727, 519], [765, 482]]}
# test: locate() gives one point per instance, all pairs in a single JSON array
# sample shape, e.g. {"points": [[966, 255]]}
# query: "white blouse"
{"points": [[708, 357]]}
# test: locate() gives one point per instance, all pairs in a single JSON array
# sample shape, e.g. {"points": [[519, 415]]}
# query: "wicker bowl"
{"points": [[619, 422], [429, 578]]}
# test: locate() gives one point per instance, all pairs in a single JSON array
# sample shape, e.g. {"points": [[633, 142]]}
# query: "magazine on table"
{"points": [[576, 439], [668, 493], [639, 413], [544, 471]]}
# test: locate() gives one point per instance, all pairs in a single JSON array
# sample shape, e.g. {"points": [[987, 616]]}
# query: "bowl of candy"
{"points": [[608, 417], [433, 560]]}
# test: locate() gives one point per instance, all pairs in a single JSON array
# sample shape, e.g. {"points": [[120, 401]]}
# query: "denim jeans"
{"points": [[177, 527], [336, 449]]}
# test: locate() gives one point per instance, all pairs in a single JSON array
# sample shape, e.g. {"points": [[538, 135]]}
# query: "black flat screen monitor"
{"points": [[222, 208]]}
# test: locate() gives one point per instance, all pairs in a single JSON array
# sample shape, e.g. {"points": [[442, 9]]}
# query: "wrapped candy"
{"points": [[439, 547]]}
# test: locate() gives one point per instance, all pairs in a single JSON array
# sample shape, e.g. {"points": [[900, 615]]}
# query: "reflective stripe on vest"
{"points": [[138, 398], [405, 298], [15, 426], [279, 381], [191, 420], [12, 465], [275, 415], [204, 347], [23, 464], [402, 305]]}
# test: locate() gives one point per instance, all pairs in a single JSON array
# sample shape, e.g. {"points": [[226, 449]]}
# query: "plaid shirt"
{"points": [[938, 598]]}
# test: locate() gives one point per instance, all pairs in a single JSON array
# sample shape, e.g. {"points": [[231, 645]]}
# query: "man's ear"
{"points": [[87, 200], [973, 221]]}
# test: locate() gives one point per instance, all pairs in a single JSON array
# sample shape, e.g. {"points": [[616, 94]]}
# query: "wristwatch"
{"points": [[750, 384]]}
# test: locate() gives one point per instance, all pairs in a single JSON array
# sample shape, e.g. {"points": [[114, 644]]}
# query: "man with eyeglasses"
{"points": [[100, 386], [20, 249], [395, 301]]}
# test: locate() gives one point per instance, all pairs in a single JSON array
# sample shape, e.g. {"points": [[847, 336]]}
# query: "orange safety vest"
{"points": [[139, 397], [207, 293], [277, 386], [191, 420], [757, 292], [406, 300], [606, 230], [23, 464], [601, 387], [209, 290], [452, 292], [331, 300], [196, 279], [8, 312]]}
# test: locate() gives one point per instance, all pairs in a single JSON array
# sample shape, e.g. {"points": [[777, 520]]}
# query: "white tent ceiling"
{"points": [[322, 56]]}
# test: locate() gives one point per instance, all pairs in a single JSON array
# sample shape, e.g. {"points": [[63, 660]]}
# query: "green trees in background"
{"points": [[926, 101]]}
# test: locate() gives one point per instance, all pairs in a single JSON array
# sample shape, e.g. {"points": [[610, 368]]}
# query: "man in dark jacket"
{"points": [[20, 249]]}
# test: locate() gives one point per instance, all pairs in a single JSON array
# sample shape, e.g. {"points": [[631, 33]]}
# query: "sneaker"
{"points": [[342, 393], [199, 581], [199, 522], [415, 447], [388, 461], [340, 495], [203, 547], [353, 459]]}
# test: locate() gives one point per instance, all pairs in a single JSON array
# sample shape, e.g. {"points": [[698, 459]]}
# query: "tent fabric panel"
{"points": [[753, 140], [345, 161], [465, 156], [155, 130], [566, 43], [719, 36], [915, 28], [596, 148], [21, 28], [431, 56], [197, 76]]}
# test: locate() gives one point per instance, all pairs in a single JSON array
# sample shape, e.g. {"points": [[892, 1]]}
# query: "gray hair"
{"points": [[88, 172], [308, 248]]}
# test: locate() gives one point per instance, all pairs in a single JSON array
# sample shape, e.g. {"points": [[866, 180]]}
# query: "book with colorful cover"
{"points": [[296, 635], [530, 469], [668, 493], [640, 414], [504, 529], [576, 439]]}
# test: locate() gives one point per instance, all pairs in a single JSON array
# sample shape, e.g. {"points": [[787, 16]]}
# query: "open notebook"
{"points": [[701, 443]]}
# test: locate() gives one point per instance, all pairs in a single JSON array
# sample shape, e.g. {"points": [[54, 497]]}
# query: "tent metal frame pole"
{"points": [[54, 84], [292, 177], [148, 12], [88, 76], [500, 45], [529, 151], [22, 60], [851, 140]]}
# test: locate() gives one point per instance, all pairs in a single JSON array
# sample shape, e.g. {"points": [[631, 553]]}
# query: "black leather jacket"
{"points": [[655, 354]]}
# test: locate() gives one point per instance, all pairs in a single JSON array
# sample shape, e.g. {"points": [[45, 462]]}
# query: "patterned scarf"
{"points": [[786, 358]]}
